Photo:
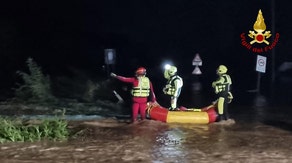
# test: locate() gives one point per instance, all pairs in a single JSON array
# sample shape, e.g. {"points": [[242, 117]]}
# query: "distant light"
{"points": [[167, 66]]}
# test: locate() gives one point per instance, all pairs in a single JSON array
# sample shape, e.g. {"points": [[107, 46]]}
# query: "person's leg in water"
{"points": [[135, 109], [220, 108], [142, 109], [225, 110]]}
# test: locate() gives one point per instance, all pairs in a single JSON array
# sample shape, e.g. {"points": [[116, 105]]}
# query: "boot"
{"points": [[220, 118], [173, 109], [226, 117]]}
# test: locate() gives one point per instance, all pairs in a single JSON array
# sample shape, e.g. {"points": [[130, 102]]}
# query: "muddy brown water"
{"points": [[255, 134], [242, 139]]}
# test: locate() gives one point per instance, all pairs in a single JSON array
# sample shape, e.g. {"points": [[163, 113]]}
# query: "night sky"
{"points": [[64, 35]]}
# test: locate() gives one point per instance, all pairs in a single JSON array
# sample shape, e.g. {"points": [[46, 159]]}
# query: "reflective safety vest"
{"points": [[143, 88], [170, 88], [223, 85]]}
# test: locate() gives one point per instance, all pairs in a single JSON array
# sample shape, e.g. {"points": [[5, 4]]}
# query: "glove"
{"points": [[164, 90], [230, 97], [113, 75], [213, 84]]}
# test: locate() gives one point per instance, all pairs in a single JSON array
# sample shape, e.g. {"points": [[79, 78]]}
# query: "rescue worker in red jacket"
{"points": [[222, 90], [142, 89]]}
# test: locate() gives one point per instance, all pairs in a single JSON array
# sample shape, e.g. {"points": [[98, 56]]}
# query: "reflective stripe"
{"points": [[225, 86], [143, 88]]}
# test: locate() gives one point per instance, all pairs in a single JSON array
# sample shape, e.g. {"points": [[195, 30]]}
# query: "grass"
{"points": [[14, 130]]}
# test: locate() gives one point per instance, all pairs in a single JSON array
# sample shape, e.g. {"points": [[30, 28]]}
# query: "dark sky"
{"points": [[65, 34]]}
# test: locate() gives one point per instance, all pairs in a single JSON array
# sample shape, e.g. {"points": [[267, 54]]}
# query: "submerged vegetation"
{"points": [[38, 94], [35, 89], [13, 130]]}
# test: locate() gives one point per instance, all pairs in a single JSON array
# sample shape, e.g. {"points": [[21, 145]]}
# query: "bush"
{"points": [[36, 86]]}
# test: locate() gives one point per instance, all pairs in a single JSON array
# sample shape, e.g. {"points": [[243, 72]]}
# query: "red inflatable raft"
{"points": [[204, 115]]}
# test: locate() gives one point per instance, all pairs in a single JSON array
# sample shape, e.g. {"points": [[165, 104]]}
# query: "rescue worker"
{"points": [[142, 89], [222, 90], [173, 86]]}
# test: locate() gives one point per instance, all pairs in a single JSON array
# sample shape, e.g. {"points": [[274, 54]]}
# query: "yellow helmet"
{"points": [[170, 71], [222, 69]]}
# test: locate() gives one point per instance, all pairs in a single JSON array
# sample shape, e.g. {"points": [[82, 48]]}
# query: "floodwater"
{"points": [[251, 136], [255, 134], [110, 140]]}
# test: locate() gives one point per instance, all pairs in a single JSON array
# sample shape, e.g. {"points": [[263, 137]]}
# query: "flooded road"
{"points": [[257, 133], [112, 140]]}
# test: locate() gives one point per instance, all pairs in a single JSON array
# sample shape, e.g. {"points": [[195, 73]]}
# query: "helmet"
{"points": [[172, 70], [222, 69], [169, 72], [141, 71]]}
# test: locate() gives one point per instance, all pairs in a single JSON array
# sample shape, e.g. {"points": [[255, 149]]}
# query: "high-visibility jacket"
{"points": [[222, 84], [173, 86], [141, 86]]}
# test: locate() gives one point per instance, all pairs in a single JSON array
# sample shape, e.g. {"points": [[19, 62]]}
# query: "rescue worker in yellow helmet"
{"points": [[222, 90], [173, 86]]}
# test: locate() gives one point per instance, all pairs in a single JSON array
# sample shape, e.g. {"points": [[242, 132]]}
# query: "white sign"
{"points": [[197, 71], [261, 64], [197, 61], [109, 56]]}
